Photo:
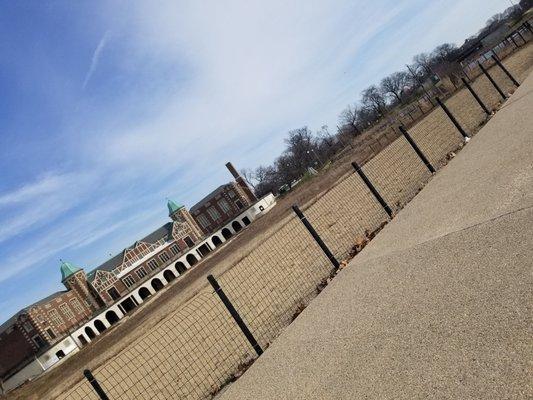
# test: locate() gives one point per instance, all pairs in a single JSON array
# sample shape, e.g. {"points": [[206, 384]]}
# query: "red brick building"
{"points": [[119, 285], [42, 324], [223, 204]]}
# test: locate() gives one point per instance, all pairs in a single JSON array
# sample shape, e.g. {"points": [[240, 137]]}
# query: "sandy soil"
{"points": [[183, 344]]}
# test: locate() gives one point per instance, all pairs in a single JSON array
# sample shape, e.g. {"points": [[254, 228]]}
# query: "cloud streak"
{"points": [[96, 58]]}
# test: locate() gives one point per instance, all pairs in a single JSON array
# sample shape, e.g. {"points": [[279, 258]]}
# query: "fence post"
{"points": [[511, 77], [235, 314], [521, 36], [492, 81], [471, 90], [95, 384], [452, 118], [416, 149], [316, 236], [372, 188]]}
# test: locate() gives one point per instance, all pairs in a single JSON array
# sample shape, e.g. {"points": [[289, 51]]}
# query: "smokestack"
{"points": [[241, 182]]}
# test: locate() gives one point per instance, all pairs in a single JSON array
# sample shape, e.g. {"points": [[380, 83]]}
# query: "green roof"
{"points": [[68, 269], [173, 207]]}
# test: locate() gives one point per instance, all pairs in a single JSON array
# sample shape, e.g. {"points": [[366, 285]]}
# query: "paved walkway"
{"points": [[439, 305]]}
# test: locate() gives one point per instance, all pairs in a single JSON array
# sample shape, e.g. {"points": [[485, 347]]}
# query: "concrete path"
{"points": [[439, 304]]}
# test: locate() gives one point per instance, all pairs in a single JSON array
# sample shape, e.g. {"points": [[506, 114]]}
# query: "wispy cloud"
{"points": [[96, 58]]}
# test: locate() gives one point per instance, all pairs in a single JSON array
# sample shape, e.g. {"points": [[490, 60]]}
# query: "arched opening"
{"points": [[144, 293], [169, 275], [180, 267], [99, 325], [89, 332], [204, 249], [128, 304], [157, 284], [226, 233], [82, 339], [216, 241], [246, 221], [191, 259], [111, 317], [236, 226]]}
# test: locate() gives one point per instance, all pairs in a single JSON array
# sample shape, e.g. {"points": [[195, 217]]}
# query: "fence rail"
{"points": [[212, 338]]}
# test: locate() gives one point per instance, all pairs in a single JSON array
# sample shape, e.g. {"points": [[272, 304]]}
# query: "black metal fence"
{"points": [[211, 339]]}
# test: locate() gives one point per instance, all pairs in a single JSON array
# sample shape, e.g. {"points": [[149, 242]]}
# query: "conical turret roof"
{"points": [[173, 207], [68, 269]]}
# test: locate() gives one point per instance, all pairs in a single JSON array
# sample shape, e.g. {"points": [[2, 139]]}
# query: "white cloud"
{"points": [[95, 58]]}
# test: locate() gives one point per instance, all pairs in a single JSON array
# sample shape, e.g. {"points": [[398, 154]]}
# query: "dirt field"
{"points": [[185, 336]]}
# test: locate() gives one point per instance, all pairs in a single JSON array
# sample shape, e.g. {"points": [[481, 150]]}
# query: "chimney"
{"points": [[241, 182]]}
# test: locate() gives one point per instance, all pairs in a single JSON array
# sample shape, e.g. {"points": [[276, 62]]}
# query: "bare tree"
{"points": [[249, 176], [373, 98], [444, 52], [395, 84], [423, 61], [350, 117]]}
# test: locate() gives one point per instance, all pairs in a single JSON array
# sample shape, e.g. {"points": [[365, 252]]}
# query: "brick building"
{"points": [[42, 324], [45, 331], [223, 203]]}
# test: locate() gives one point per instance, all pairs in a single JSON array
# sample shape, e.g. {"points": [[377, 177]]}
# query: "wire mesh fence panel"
{"points": [[80, 391], [467, 111], [519, 63], [343, 213], [269, 286], [397, 173], [189, 355], [436, 136]]}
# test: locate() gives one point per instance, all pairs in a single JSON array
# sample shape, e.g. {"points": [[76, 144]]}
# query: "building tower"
{"points": [[241, 182], [75, 279], [180, 214]]}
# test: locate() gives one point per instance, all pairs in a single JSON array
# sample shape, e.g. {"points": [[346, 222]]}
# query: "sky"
{"points": [[109, 108]]}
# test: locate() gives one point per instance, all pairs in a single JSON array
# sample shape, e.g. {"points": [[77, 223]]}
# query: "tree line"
{"points": [[306, 149]]}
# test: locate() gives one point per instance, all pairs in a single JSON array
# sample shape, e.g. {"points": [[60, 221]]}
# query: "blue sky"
{"points": [[107, 108]]}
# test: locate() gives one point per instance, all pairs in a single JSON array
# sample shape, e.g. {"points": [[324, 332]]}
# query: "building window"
{"points": [[202, 219], [175, 249], [28, 327], [231, 194], [188, 241], [51, 333], [76, 306], [66, 311], [238, 203], [55, 317], [164, 257], [213, 213], [113, 292], [141, 273], [152, 264], [39, 341], [128, 281], [224, 206]]}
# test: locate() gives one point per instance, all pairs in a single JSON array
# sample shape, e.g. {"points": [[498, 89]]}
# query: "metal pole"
{"points": [[471, 90], [452, 118], [235, 314], [416, 149], [419, 83], [511, 77], [492, 81], [372, 188], [316, 236], [96, 386]]}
